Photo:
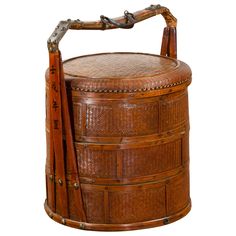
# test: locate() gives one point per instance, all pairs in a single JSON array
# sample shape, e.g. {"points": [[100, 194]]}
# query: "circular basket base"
{"points": [[117, 227]]}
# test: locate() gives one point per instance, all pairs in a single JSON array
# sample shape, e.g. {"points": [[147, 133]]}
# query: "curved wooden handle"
{"points": [[126, 21]]}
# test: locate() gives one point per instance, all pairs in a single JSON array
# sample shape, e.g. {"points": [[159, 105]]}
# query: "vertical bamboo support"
{"points": [[56, 131], [169, 42], [173, 43], [165, 41]]}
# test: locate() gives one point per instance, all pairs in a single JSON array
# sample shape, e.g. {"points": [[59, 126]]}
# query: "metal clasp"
{"points": [[129, 17], [57, 35]]}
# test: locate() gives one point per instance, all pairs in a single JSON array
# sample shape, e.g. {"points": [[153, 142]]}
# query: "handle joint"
{"points": [[57, 35]]}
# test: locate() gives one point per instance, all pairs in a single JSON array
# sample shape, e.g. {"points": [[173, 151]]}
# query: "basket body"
{"points": [[130, 124]]}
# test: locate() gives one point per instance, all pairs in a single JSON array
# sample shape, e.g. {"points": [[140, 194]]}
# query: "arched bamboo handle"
{"points": [[126, 21], [148, 12]]}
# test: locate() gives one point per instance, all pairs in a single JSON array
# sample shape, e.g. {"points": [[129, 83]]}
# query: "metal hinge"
{"points": [[57, 35]]}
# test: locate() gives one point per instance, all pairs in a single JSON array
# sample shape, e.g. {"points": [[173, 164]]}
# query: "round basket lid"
{"points": [[125, 72]]}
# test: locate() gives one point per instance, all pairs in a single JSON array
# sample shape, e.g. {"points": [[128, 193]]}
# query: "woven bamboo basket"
{"points": [[117, 130]]}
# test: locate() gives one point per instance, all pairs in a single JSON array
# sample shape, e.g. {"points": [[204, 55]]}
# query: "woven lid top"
{"points": [[125, 72]]}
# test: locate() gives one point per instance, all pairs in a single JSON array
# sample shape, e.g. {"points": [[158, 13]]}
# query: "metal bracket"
{"points": [[58, 34], [166, 221], [153, 7]]}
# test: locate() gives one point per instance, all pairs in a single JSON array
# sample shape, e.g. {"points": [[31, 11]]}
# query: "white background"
{"points": [[206, 41]]}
